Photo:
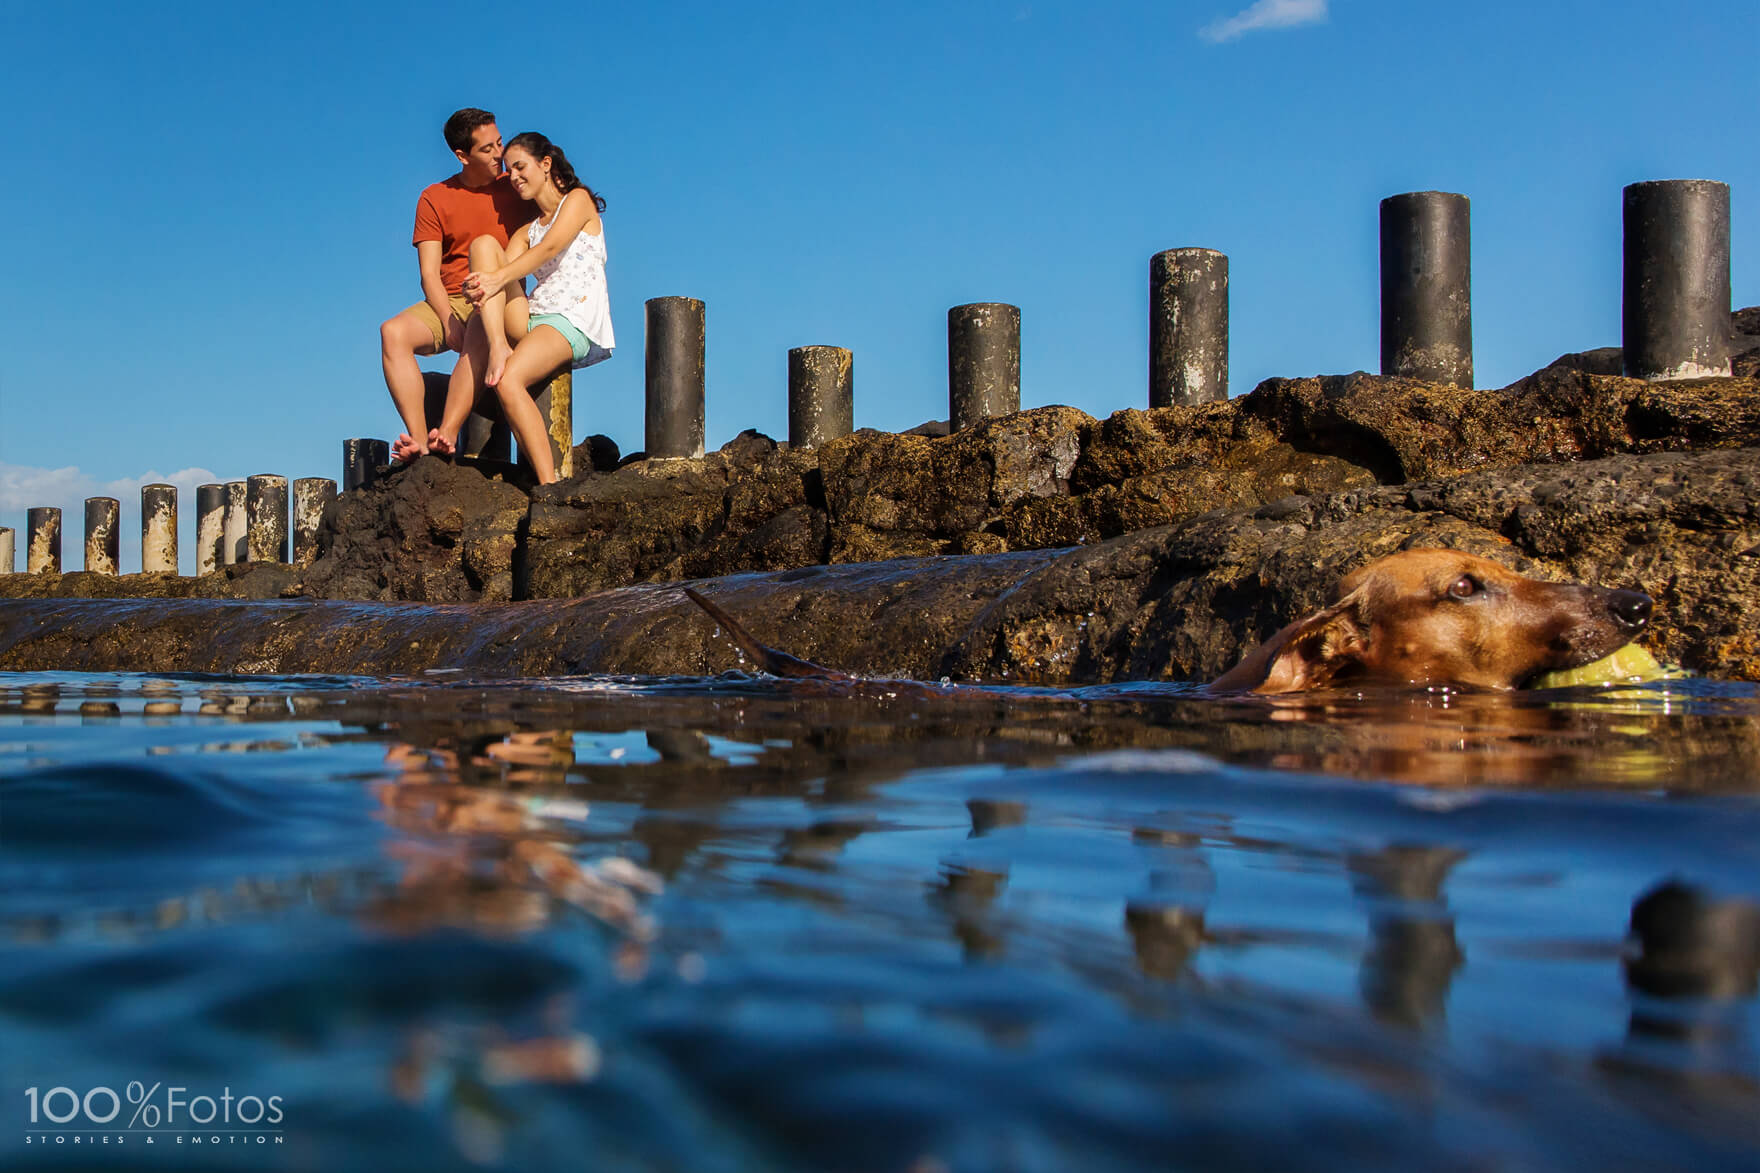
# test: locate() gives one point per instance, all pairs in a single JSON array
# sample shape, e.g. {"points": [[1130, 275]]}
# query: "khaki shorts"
{"points": [[462, 309]]}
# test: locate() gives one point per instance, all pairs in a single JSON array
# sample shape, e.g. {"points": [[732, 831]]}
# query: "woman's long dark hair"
{"points": [[561, 170]]}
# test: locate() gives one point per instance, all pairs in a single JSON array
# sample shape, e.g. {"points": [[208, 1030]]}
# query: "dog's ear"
{"points": [[1310, 653]]}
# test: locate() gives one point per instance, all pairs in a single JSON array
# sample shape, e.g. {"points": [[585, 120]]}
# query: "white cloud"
{"points": [[22, 487], [1265, 14]]}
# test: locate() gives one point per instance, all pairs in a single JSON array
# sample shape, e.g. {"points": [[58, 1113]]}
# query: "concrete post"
{"points": [[1426, 288], [42, 529], [676, 377], [266, 506], [821, 395], [361, 461], [1677, 293], [103, 534], [555, 400], [983, 362], [210, 528], [159, 529], [232, 532], [1188, 327], [8, 549], [310, 496]]}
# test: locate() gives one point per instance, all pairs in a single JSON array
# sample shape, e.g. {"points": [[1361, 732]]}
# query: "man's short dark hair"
{"points": [[462, 125]]}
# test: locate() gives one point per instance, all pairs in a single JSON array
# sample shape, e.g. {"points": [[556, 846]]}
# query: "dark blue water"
{"points": [[740, 924]]}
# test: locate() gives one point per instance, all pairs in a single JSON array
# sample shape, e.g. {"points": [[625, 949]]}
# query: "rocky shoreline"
{"points": [[1044, 546]]}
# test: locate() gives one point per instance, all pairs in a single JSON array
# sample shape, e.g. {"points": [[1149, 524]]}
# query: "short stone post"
{"points": [[266, 506], [210, 528], [821, 395], [42, 537], [1677, 291], [676, 377], [158, 529], [1188, 327], [983, 362], [1426, 288], [555, 400], [361, 461], [310, 496], [103, 534], [233, 526], [8, 549]]}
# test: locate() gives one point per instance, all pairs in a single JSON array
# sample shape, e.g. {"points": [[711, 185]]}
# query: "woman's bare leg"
{"points": [[542, 352]]}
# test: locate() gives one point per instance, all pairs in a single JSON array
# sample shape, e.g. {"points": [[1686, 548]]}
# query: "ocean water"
{"points": [[741, 923]]}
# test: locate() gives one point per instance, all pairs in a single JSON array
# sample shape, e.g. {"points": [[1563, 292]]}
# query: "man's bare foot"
{"points": [[405, 449], [497, 364], [440, 445]]}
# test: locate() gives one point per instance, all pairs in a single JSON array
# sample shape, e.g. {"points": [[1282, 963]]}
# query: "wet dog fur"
{"points": [[1416, 618]]}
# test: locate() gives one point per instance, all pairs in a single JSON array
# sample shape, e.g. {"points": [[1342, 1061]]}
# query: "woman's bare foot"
{"points": [[497, 363], [406, 449], [440, 445]]}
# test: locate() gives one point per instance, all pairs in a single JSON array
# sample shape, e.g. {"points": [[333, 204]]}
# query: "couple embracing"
{"points": [[510, 213]]}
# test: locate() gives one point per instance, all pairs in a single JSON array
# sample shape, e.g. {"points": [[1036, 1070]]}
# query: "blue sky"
{"points": [[211, 203]]}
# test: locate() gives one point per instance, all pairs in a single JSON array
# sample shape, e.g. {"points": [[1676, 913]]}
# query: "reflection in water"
{"points": [[734, 924], [1412, 955]]}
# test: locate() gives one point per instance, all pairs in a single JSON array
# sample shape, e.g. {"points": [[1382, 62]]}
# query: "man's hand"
{"points": [[454, 332]]}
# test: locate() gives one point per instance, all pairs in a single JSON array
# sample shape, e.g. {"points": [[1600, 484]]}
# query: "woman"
{"points": [[515, 341]]}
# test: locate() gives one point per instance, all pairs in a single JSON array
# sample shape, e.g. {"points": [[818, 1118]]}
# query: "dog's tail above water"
{"points": [[767, 658]]}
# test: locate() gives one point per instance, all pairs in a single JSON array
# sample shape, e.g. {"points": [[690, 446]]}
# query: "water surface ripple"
{"points": [[740, 923]]}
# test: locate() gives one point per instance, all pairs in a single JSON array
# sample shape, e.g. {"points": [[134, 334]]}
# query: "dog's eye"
{"points": [[1465, 587]]}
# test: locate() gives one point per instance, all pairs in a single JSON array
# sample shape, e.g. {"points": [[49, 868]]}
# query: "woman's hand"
{"points": [[480, 287]]}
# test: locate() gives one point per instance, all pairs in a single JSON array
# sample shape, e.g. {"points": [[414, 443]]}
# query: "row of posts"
{"points": [[238, 521], [1675, 325], [1675, 322]]}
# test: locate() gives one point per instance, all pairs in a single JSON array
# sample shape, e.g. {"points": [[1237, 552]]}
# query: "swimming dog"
{"points": [[1441, 617], [1416, 618]]}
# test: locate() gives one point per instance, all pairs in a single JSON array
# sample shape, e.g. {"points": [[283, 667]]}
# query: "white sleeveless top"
{"points": [[572, 283]]}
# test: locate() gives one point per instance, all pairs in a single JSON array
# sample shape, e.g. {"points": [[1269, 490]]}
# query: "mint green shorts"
{"points": [[586, 352]]}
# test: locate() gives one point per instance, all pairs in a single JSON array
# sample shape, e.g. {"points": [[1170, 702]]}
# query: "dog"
{"points": [[1441, 617], [1417, 618]]}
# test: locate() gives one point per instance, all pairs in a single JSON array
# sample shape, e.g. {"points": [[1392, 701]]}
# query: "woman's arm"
{"points": [[575, 214]]}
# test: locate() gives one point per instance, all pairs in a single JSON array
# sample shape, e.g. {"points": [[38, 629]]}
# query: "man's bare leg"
{"points": [[401, 339]]}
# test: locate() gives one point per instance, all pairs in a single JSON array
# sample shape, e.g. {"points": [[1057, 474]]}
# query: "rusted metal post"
{"points": [[821, 395], [361, 461], [266, 506], [676, 361], [310, 496], [159, 529], [43, 540], [1677, 291], [1426, 288], [232, 536], [1188, 327], [555, 400], [103, 534], [210, 528], [983, 362]]}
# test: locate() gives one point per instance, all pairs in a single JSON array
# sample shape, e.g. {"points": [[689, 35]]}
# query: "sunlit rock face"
{"points": [[1162, 541]]}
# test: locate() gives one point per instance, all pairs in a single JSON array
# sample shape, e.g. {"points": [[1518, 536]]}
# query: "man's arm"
{"points": [[434, 291]]}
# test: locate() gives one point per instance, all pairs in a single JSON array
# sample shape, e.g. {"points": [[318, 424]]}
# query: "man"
{"points": [[478, 201]]}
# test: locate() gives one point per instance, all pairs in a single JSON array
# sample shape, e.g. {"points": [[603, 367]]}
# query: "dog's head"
{"points": [[1442, 617]]}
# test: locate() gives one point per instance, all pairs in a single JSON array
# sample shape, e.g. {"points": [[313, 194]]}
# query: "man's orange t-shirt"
{"points": [[455, 215]]}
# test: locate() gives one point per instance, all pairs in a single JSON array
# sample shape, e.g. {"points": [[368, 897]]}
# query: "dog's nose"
{"points": [[1631, 608]]}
